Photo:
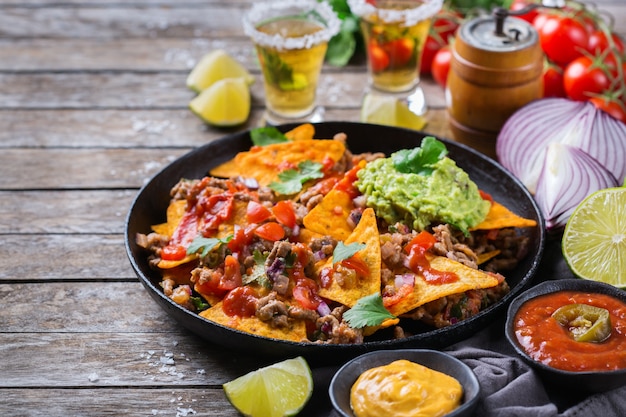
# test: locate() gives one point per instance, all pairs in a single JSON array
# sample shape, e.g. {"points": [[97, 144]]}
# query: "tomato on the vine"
{"points": [[612, 106], [553, 81], [443, 28], [519, 5], [598, 42], [563, 39], [441, 65], [400, 51], [584, 78], [379, 60]]}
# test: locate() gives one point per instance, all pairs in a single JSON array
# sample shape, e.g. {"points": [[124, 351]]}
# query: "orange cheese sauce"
{"points": [[404, 389], [546, 341]]}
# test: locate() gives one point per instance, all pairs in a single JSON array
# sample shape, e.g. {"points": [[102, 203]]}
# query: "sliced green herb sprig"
{"points": [[263, 136], [368, 311], [420, 160], [343, 251], [292, 179], [207, 244]]}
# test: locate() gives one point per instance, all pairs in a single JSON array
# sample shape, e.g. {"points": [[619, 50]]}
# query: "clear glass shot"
{"points": [[395, 32], [291, 38]]}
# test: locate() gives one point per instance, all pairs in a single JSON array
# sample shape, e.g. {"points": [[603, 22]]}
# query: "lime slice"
{"points": [[215, 66], [594, 240], [278, 390], [225, 103], [389, 111]]}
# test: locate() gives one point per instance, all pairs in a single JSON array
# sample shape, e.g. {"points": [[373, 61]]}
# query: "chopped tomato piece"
{"points": [[173, 252], [270, 231], [305, 292], [257, 213], [241, 302], [284, 213], [357, 264], [232, 274], [401, 293]]}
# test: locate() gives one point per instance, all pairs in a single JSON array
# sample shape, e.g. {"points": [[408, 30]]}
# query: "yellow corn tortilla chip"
{"points": [[423, 292], [330, 216], [370, 330], [500, 217], [264, 163], [175, 211], [365, 232], [305, 131], [484, 257], [296, 331]]}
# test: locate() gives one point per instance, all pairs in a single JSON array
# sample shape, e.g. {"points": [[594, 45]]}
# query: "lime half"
{"points": [[389, 111], [594, 240], [215, 66], [278, 390], [225, 103]]}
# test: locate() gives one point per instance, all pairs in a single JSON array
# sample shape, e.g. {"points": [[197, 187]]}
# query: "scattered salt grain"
{"points": [[183, 412], [93, 377]]}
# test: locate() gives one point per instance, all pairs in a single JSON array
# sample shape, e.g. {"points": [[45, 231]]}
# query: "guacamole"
{"points": [[445, 195]]}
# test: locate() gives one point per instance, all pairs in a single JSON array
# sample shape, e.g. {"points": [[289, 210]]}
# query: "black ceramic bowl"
{"points": [[346, 376], [589, 382], [150, 205]]}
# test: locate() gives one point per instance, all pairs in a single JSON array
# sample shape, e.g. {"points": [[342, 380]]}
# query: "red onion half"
{"points": [[556, 194], [526, 137]]}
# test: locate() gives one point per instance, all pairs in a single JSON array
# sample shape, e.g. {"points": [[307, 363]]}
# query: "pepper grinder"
{"points": [[495, 69]]}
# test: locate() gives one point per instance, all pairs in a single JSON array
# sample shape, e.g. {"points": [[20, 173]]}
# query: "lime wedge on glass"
{"points": [[594, 239], [225, 103], [215, 66], [278, 390], [389, 111]]}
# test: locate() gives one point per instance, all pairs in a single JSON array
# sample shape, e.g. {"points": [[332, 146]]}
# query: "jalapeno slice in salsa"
{"points": [[584, 322]]}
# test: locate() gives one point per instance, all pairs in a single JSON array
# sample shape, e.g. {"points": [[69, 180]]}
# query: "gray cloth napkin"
{"points": [[510, 388]]}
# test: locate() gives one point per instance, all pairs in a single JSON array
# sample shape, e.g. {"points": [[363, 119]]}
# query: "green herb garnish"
{"points": [[262, 136], [420, 160], [257, 274], [207, 244], [368, 311], [343, 251], [292, 179], [199, 303]]}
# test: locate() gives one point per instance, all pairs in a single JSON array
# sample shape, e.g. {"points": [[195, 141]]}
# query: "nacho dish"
{"points": [[299, 239]]}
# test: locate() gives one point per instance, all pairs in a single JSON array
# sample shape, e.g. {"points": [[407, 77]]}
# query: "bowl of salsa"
{"points": [[573, 332]]}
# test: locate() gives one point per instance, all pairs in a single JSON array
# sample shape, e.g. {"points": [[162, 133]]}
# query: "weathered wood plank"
{"points": [[140, 128], [129, 402], [63, 257], [84, 212], [106, 90]]}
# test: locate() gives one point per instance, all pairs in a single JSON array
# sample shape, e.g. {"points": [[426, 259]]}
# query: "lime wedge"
{"points": [[278, 390], [225, 103], [389, 111], [594, 240], [215, 66]]}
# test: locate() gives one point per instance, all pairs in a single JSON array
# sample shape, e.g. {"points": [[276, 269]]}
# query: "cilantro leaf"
{"points": [[207, 244], [257, 272], [263, 136], [368, 311], [292, 179], [420, 160], [343, 251], [199, 303]]}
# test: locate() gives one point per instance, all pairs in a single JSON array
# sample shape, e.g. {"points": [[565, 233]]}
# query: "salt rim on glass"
{"points": [[408, 17], [263, 11]]}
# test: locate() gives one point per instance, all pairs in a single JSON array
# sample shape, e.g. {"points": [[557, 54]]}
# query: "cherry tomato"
{"points": [[563, 39], [441, 65], [612, 106], [378, 58], [583, 78], [400, 51], [553, 81], [519, 5], [598, 42], [241, 302], [257, 213], [540, 20], [443, 28], [270, 231], [284, 213]]}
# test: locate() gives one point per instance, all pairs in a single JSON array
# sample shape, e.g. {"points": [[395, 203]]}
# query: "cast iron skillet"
{"points": [[150, 205]]}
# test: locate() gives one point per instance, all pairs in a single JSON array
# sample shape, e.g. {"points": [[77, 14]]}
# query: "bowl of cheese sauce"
{"points": [[405, 383]]}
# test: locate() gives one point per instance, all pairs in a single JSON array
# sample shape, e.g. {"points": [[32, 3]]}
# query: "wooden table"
{"points": [[92, 104]]}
